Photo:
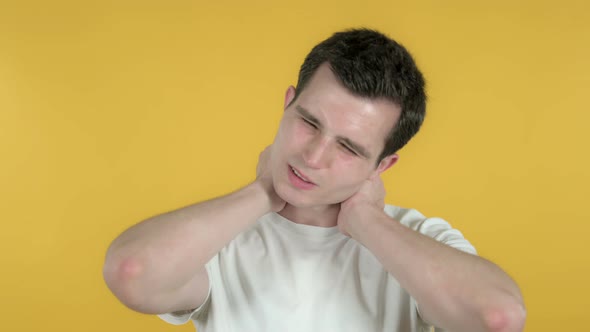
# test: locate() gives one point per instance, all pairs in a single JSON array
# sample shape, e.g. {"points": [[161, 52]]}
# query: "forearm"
{"points": [[454, 290], [164, 252]]}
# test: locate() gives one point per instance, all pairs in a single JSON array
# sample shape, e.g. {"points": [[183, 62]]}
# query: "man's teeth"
{"points": [[299, 175]]}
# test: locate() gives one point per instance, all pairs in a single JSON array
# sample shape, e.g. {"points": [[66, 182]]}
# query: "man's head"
{"points": [[359, 99], [369, 64]]}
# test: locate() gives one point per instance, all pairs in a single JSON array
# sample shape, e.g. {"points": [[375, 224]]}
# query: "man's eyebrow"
{"points": [[356, 147], [305, 113], [347, 141]]}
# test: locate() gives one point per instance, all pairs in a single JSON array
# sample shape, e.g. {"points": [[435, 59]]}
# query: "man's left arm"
{"points": [[454, 290]]}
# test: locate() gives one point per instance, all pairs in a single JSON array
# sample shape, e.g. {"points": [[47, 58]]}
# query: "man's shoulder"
{"points": [[406, 216], [433, 227], [414, 219]]}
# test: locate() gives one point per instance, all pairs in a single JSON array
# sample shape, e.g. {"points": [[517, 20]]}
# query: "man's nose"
{"points": [[317, 153]]}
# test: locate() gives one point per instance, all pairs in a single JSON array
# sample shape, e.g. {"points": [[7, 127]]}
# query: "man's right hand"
{"points": [[264, 177]]}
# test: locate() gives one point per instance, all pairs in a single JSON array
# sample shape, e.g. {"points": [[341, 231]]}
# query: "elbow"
{"points": [[122, 277], [509, 318]]}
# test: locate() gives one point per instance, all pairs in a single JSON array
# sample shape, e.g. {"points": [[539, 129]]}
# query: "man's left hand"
{"points": [[353, 211]]}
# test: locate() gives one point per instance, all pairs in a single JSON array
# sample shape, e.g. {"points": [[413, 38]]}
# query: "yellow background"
{"points": [[113, 111]]}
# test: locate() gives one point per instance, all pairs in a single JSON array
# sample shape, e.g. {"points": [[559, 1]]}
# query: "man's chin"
{"points": [[294, 198], [297, 202], [301, 200]]}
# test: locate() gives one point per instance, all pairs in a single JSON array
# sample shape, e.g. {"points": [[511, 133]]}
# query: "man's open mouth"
{"points": [[299, 175]]}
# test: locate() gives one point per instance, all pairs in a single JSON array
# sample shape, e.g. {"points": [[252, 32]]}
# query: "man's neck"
{"points": [[324, 216]]}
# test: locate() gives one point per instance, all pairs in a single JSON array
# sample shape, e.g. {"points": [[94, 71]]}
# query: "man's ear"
{"points": [[385, 163], [289, 95]]}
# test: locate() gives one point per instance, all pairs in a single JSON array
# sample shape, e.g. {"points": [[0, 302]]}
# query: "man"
{"points": [[309, 245]]}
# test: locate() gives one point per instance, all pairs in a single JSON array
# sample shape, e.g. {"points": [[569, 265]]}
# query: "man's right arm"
{"points": [[158, 265]]}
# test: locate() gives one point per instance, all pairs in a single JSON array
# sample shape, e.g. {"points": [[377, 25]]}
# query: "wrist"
{"points": [[264, 189], [257, 190], [361, 218]]}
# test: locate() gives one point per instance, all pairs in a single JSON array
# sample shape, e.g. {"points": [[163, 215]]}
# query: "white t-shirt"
{"points": [[283, 276]]}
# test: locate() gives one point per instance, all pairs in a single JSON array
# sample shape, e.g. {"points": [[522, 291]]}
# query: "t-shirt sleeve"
{"points": [[435, 228], [182, 317]]}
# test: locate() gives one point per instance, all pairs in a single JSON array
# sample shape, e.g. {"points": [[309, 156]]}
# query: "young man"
{"points": [[310, 245]]}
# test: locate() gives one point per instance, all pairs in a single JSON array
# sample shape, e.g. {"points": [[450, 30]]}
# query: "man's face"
{"points": [[328, 142]]}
